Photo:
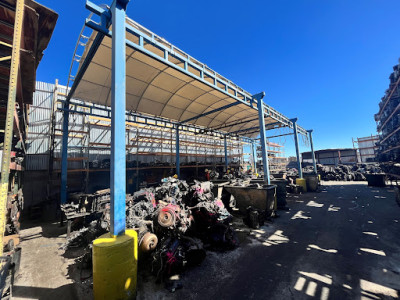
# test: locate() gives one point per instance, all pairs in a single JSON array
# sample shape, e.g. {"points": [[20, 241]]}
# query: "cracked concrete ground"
{"points": [[44, 272], [339, 243]]}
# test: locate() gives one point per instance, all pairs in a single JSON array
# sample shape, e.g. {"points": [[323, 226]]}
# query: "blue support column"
{"points": [[178, 168], [226, 154], [296, 143], [312, 150], [254, 152], [263, 140], [64, 154], [118, 142]]}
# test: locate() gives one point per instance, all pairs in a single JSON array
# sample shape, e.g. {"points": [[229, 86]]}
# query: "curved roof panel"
{"points": [[163, 81]]}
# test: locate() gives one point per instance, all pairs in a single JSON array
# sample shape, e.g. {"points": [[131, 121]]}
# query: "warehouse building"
{"points": [[367, 148], [332, 157]]}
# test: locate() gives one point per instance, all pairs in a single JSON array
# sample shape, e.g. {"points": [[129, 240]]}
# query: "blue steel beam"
{"points": [[141, 119], [312, 150], [274, 136], [90, 6], [249, 129], [296, 143], [234, 124], [105, 19], [273, 124], [211, 112], [118, 100], [255, 128], [263, 139], [64, 155], [244, 130], [105, 22], [178, 167], [226, 154], [246, 139], [136, 118], [254, 152], [267, 127], [299, 129]]}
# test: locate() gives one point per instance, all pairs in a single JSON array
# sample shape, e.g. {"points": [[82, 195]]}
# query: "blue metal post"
{"points": [[64, 154], [118, 95], [296, 143], [312, 150], [254, 151], [178, 168], [263, 140], [226, 154]]}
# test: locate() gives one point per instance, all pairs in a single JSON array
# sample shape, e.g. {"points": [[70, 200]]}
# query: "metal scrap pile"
{"points": [[340, 172], [391, 168], [84, 204], [292, 172], [174, 221], [13, 212], [344, 172]]}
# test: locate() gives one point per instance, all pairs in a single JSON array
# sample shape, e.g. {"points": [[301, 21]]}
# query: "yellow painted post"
{"points": [[302, 182], [12, 94], [115, 266]]}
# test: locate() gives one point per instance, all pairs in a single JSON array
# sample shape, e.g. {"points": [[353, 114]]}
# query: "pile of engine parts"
{"points": [[340, 172], [81, 204], [292, 172], [175, 223], [391, 168], [346, 172], [14, 206]]}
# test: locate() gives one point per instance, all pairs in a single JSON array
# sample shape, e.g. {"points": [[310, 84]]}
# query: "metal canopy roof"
{"points": [[163, 81]]}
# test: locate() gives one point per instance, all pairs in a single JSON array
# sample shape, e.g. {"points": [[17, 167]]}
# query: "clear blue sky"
{"points": [[325, 62]]}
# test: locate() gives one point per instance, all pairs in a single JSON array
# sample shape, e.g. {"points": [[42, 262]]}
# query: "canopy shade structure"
{"points": [[128, 67], [164, 81]]}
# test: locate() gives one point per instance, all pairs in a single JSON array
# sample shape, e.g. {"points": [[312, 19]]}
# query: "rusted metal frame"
{"points": [[8, 134]]}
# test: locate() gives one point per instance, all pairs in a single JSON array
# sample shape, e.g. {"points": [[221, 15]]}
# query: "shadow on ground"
{"points": [[339, 243]]}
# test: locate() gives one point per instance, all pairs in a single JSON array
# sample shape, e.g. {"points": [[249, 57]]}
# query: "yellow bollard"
{"points": [[302, 183], [115, 266]]}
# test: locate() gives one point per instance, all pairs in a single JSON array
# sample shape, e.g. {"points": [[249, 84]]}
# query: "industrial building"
{"points": [[367, 148], [332, 157], [149, 175]]}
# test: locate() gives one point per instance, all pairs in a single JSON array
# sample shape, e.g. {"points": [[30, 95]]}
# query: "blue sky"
{"points": [[325, 62]]}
